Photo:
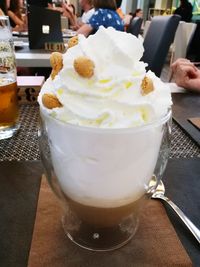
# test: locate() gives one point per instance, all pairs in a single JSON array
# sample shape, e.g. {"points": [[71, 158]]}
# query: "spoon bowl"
{"points": [[159, 193]]}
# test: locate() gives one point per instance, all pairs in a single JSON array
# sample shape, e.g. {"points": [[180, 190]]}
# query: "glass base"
{"points": [[100, 238], [8, 131]]}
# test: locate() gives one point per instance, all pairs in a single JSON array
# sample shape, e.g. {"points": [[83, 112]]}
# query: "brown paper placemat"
{"points": [[155, 243], [195, 122]]}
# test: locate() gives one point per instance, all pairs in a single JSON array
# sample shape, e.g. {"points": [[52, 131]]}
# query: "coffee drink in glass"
{"points": [[104, 121]]}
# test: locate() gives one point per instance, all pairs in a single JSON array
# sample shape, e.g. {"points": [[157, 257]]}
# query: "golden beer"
{"points": [[9, 111]]}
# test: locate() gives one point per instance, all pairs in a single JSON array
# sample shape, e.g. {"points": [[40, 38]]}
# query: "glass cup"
{"points": [[9, 110], [102, 176]]}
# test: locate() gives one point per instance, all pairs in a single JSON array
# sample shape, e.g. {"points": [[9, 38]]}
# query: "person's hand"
{"points": [[51, 7], [186, 74], [74, 28], [67, 9], [67, 12]]}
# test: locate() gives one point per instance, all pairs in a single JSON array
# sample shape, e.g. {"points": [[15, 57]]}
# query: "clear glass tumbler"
{"points": [[102, 176], [9, 110]]}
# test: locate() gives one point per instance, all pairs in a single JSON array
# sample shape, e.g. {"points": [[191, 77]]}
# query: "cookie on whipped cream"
{"points": [[147, 85], [73, 41], [84, 66], [50, 101], [56, 62]]}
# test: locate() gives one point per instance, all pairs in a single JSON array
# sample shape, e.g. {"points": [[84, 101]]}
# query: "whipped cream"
{"points": [[112, 97]]}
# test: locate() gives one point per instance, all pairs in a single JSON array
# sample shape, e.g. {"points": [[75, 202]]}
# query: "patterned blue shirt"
{"points": [[106, 18]]}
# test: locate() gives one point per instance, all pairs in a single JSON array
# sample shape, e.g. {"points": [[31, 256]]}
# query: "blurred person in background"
{"points": [[69, 11], [17, 19], [138, 13], [119, 10], [127, 18], [105, 15], [184, 10], [12, 9], [88, 11], [22, 6], [186, 74]]}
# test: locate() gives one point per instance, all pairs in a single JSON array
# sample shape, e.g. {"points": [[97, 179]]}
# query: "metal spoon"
{"points": [[159, 193]]}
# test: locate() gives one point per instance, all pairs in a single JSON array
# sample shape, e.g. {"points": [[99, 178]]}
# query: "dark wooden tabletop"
{"points": [[19, 189]]}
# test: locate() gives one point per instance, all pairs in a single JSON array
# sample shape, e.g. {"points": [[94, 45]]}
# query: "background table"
{"points": [[26, 57], [32, 58]]}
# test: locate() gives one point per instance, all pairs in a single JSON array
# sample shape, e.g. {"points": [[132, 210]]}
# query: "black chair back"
{"points": [[158, 39], [135, 26]]}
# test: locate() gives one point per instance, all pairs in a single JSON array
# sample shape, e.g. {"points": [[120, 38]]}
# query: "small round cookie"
{"points": [[73, 41], [51, 101], [147, 85], [84, 66], [56, 61]]}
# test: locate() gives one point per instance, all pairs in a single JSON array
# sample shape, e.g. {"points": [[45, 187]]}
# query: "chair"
{"points": [[135, 26], [193, 51], [182, 39], [146, 27], [184, 34], [157, 41]]}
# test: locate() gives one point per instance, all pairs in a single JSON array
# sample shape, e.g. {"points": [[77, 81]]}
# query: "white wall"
{"points": [[161, 4], [126, 6]]}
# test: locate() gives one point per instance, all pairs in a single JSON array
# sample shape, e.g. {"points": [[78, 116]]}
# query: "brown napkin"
{"points": [[155, 243], [195, 122]]}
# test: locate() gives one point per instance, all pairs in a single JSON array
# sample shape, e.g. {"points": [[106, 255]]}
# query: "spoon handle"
{"points": [[195, 231]]}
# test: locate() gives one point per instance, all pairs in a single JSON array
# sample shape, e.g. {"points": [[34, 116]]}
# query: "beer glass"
{"points": [[9, 110]]}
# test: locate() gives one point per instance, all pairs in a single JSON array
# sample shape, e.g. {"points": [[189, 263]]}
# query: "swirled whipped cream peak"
{"points": [[101, 82]]}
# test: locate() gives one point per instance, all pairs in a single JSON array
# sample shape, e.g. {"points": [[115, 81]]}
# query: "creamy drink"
{"points": [[104, 116], [103, 169]]}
